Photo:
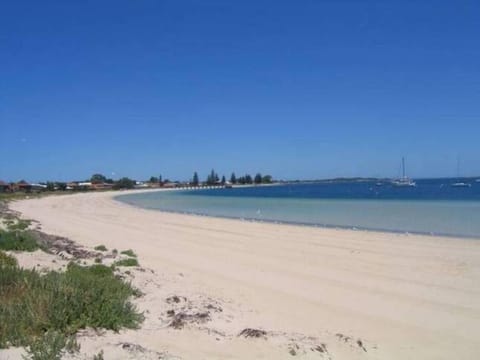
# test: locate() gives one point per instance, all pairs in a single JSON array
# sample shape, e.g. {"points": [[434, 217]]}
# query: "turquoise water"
{"points": [[291, 204]]}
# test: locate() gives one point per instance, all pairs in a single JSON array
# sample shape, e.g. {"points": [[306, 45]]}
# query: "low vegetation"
{"points": [[98, 356], [52, 345], [43, 311], [129, 252], [17, 224], [17, 240], [126, 262], [56, 305], [101, 248], [7, 260]]}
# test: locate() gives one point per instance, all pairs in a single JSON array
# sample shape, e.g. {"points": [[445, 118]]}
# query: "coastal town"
{"points": [[99, 182]]}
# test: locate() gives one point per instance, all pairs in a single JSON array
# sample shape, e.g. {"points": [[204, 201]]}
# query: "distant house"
{"points": [[85, 185], [169, 185], [4, 187], [22, 186], [71, 186], [101, 186], [38, 187], [140, 185]]}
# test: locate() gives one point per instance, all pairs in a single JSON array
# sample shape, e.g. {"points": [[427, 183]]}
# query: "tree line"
{"points": [[126, 183], [214, 179]]}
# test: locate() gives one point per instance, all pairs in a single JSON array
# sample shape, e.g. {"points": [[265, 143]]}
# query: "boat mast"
{"points": [[403, 168], [458, 166]]}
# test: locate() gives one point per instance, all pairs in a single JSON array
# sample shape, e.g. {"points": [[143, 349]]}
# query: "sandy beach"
{"points": [[317, 293]]}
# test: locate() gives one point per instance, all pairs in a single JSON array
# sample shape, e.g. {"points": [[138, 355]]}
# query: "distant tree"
{"points": [[233, 178], [223, 180], [154, 179], [61, 186], [109, 181], [267, 179], [248, 179], [212, 178], [195, 180], [160, 179], [258, 178], [124, 183], [98, 178], [50, 186], [217, 179]]}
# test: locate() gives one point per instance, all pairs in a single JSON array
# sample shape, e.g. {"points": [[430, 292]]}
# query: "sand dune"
{"points": [[318, 293]]}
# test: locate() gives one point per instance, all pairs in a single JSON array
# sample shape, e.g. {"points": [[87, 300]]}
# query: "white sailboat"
{"points": [[404, 181], [460, 184]]}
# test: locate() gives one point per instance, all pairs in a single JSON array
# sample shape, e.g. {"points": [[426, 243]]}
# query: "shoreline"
{"points": [[401, 296], [296, 223], [317, 226]]}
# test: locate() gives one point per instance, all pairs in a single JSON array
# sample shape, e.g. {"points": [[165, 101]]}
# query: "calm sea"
{"points": [[432, 207]]}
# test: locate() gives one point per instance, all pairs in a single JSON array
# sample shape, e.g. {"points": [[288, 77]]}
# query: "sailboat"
{"points": [[460, 184], [404, 181]]}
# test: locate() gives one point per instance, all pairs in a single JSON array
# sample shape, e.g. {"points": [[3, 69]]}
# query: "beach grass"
{"points": [[101, 248], [129, 252], [32, 304], [7, 260], [17, 240], [126, 262], [52, 345], [17, 224]]}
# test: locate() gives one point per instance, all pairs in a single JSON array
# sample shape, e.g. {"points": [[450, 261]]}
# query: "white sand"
{"points": [[403, 296]]}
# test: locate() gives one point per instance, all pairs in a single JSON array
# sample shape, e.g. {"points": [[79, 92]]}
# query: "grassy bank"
{"points": [[64, 302], [16, 240], [43, 312]]}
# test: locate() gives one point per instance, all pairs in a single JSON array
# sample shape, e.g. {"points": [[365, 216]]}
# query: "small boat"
{"points": [[404, 181], [461, 184]]}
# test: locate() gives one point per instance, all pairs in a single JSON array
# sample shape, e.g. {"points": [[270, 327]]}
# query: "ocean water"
{"points": [[432, 207]]}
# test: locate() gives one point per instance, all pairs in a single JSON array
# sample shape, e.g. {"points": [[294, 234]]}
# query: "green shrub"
{"points": [[20, 224], [17, 241], [129, 252], [126, 262], [7, 260], [51, 346], [100, 248], [99, 356], [32, 304]]}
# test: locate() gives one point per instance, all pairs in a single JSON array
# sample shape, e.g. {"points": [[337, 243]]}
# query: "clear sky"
{"points": [[298, 89]]}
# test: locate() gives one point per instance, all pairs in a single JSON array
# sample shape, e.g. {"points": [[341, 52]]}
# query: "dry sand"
{"points": [[318, 293]]}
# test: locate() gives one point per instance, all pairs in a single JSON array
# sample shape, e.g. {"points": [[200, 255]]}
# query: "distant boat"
{"points": [[460, 184], [404, 181]]}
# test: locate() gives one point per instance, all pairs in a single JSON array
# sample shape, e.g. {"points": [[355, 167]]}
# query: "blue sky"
{"points": [[298, 89]]}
